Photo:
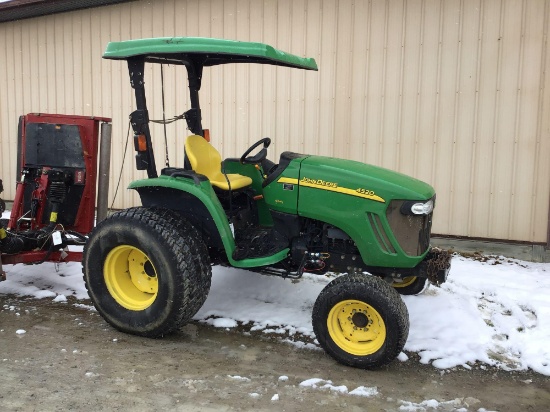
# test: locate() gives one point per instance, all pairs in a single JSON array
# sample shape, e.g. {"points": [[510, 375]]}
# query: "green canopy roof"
{"points": [[211, 52]]}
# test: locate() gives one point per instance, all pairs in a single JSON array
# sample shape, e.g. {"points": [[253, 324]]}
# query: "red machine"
{"points": [[54, 205]]}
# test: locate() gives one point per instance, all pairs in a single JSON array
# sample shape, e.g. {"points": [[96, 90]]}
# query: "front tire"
{"points": [[146, 271], [411, 285], [360, 321]]}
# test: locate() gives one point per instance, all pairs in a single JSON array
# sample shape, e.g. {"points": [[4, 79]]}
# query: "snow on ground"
{"points": [[495, 312], [317, 383]]}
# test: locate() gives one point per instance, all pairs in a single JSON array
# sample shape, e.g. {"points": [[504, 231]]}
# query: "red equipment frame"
{"points": [[89, 128]]}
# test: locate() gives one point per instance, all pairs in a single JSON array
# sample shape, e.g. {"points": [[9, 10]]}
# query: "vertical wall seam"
{"points": [[517, 119], [16, 97], [419, 88], [318, 129], [350, 127], [73, 68], [5, 78], [455, 113], [4, 59], [275, 108], [262, 72], [335, 65], [251, 124], [234, 104], [304, 79], [538, 132], [92, 89], [438, 93], [56, 68], [4, 123], [367, 74], [13, 83], [401, 86], [288, 137], [33, 70], [24, 56], [496, 116], [383, 96], [475, 125], [81, 63], [16, 72]]}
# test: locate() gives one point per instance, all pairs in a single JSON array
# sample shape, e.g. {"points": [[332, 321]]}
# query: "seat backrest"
{"points": [[204, 157]]}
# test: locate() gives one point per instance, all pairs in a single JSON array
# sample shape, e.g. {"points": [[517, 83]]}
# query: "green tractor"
{"points": [[148, 269]]}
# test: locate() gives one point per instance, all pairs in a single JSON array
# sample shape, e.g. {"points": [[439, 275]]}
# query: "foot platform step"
{"points": [[258, 242]]}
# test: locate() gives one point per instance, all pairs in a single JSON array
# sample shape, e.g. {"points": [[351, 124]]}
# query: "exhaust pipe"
{"points": [[104, 172]]}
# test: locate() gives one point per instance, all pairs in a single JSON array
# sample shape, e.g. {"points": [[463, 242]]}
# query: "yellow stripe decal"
{"points": [[365, 194], [288, 180]]}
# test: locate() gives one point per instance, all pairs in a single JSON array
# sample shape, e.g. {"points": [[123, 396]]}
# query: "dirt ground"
{"points": [[70, 359]]}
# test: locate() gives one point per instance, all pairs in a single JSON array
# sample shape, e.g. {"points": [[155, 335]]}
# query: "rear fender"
{"points": [[195, 200]]}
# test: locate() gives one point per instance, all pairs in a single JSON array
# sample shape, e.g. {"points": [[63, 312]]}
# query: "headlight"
{"points": [[417, 208], [423, 208]]}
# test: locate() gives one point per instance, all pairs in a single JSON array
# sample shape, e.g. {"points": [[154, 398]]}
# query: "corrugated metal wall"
{"points": [[454, 92]]}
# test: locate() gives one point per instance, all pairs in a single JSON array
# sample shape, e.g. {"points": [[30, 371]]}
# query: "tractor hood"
{"points": [[361, 180], [366, 202]]}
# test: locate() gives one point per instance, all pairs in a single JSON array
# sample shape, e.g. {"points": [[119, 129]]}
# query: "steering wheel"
{"points": [[261, 155]]}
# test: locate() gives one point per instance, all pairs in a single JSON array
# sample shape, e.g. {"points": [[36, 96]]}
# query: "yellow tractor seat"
{"points": [[206, 160]]}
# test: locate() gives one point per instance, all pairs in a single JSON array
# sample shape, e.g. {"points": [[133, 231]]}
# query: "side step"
{"points": [[281, 269], [257, 243]]}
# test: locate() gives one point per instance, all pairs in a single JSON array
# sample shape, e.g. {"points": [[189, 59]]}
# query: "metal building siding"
{"points": [[454, 92]]}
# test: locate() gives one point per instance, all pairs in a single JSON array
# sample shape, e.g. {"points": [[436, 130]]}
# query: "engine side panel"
{"points": [[281, 195]]}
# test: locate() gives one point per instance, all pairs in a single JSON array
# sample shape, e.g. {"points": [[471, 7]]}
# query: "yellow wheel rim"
{"points": [[407, 281], [357, 328], [130, 277]]}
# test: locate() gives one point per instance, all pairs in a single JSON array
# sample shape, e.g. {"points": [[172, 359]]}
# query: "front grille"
{"points": [[380, 234], [411, 231]]}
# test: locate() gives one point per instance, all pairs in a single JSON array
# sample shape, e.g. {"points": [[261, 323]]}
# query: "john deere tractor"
{"points": [[148, 268]]}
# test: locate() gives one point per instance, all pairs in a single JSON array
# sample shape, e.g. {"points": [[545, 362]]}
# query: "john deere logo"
{"points": [[330, 186], [318, 182]]}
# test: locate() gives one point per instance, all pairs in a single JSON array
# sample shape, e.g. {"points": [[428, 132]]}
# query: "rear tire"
{"points": [[199, 253], [360, 321], [146, 271]]}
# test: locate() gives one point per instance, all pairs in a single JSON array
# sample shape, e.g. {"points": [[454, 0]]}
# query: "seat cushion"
{"points": [[206, 160], [237, 181]]}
